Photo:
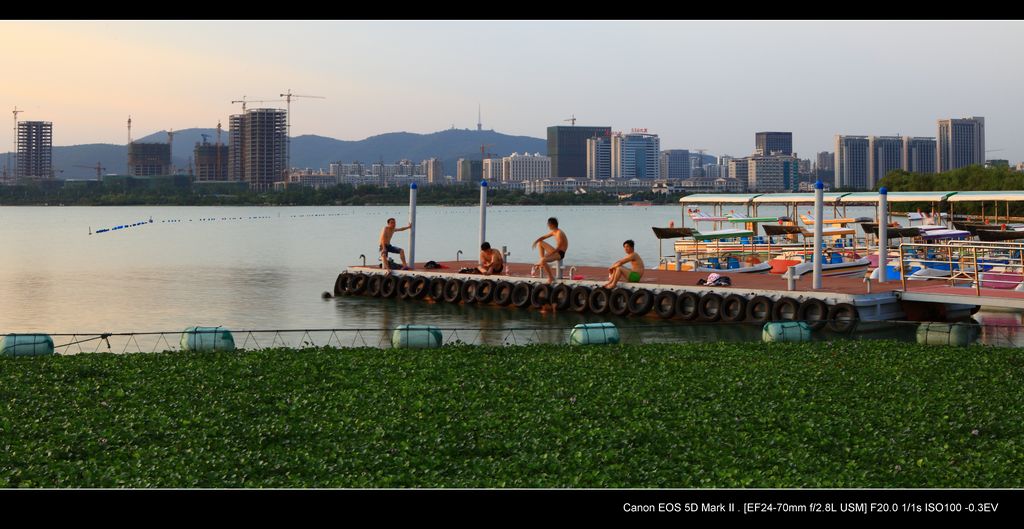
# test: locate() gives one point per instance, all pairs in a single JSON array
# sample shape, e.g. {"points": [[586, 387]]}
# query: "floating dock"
{"points": [[754, 298]]}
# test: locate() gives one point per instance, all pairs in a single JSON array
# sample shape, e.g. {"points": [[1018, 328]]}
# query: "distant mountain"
{"points": [[311, 151]]}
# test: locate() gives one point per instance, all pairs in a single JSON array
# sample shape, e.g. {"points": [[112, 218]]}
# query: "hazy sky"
{"points": [[697, 84]]}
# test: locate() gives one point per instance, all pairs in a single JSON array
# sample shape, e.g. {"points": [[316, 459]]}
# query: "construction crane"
{"points": [[243, 101], [288, 140], [572, 119], [14, 141], [98, 167], [218, 172]]}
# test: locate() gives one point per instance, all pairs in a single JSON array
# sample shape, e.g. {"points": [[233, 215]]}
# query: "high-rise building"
{"points": [[824, 166], [739, 168], [567, 147], [778, 172], [492, 170], [636, 155], [35, 150], [469, 170], [435, 171], [885, 153], [211, 162], [919, 155], [258, 149], [599, 158], [675, 164], [767, 143], [851, 163], [149, 159], [961, 142], [526, 167]]}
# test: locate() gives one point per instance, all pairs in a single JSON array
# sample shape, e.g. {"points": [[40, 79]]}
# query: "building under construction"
{"points": [[211, 162], [35, 149], [258, 149], [149, 159]]}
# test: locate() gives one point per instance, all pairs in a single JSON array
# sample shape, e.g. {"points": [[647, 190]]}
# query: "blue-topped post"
{"points": [[412, 226], [883, 235], [819, 222], [483, 211]]}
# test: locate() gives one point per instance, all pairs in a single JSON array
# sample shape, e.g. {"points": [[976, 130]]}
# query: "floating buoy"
{"points": [[416, 336], [786, 331], [26, 345], [207, 339], [594, 334]]}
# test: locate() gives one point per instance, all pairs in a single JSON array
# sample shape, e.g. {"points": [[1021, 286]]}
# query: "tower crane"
{"points": [[571, 119], [243, 101], [98, 167], [288, 139]]}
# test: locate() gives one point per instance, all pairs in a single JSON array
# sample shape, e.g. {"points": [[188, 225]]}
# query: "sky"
{"points": [[698, 84]]}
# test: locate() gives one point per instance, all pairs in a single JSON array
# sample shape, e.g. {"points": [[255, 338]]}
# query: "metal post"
{"points": [[412, 226], [819, 213], [883, 235], [903, 273], [483, 211]]}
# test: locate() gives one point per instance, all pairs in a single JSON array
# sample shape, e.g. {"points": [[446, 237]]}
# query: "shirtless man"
{"points": [[550, 253], [385, 245], [618, 271], [491, 261]]}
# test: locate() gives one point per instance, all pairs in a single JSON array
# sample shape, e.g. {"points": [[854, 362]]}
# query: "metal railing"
{"points": [[976, 264]]}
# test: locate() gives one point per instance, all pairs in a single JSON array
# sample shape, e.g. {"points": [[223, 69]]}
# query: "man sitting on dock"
{"points": [[385, 245], [491, 260], [549, 253], [617, 272]]}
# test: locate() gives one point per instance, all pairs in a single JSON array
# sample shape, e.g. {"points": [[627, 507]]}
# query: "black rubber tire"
{"points": [[436, 289], [560, 296], [842, 318], [618, 302], [419, 287], [665, 304], [388, 286], [452, 290], [485, 292], [759, 309], [540, 295], [599, 300], [579, 297], [503, 293], [341, 285], [710, 307], [373, 285], [640, 302], [402, 290], [469, 290], [734, 308], [357, 284], [521, 295], [688, 306], [786, 309], [814, 312]]}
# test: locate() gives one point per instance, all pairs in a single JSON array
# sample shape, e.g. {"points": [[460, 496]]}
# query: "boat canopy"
{"points": [[978, 196], [871, 197], [718, 198], [721, 234], [796, 198]]}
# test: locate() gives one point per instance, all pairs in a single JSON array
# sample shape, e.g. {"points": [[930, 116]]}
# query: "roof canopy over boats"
{"points": [[870, 197]]}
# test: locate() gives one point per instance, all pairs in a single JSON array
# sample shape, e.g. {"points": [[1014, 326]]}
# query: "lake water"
{"points": [[266, 267]]}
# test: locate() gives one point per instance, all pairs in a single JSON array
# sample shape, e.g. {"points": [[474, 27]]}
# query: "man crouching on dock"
{"points": [[633, 274], [386, 248], [549, 253]]}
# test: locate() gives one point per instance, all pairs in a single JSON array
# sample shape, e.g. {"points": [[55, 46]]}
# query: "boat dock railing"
{"points": [[976, 265]]}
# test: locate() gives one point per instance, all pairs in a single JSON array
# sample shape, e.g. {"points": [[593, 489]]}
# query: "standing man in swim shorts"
{"points": [[618, 271], [550, 253], [385, 245]]}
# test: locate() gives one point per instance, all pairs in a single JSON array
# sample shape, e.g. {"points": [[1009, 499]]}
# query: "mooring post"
{"points": [[412, 226], [819, 222], [483, 212], [883, 235]]}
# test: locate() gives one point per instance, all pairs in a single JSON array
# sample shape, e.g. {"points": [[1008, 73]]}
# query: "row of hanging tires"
{"points": [[686, 306]]}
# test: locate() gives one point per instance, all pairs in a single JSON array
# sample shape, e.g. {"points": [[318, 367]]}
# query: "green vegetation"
{"points": [[125, 192], [852, 414], [972, 178]]}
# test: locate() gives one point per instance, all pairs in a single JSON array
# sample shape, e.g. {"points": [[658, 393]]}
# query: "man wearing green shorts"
{"points": [[619, 272]]}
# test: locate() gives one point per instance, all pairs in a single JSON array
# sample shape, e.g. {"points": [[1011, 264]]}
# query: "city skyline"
{"points": [[174, 75]]}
